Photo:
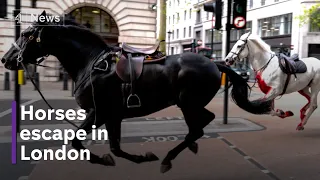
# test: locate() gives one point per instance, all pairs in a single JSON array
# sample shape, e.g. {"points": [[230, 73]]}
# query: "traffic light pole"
{"points": [[228, 29], [17, 86]]}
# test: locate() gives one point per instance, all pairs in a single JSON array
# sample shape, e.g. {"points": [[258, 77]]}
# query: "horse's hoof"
{"points": [[300, 128], [107, 160], [165, 167], [289, 113], [281, 114], [151, 157], [194, 147]]}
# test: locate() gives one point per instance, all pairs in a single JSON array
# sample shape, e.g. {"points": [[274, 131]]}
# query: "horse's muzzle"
{"points": [[229, 61], [3, 60]]}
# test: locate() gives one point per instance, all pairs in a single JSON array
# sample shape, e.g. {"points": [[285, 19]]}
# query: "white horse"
{"points": [[276, 75]]}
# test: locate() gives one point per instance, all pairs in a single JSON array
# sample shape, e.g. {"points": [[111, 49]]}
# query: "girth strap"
{"points": [[286, 84]]}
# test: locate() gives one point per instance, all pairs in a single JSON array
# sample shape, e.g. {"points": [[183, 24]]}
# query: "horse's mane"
{"points": [[70, 23], [258, 40]]}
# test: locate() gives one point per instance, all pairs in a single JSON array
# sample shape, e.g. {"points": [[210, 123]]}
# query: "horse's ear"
{"points": [[40, 21], [44, 13]]}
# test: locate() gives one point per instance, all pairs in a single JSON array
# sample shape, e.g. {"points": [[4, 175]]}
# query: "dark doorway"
{"points": [[314, 50]]}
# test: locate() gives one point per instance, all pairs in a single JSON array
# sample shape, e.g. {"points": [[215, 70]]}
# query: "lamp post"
{"points": [[169, 34]]}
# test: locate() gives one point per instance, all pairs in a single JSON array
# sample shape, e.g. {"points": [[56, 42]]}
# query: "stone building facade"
{"points": [[130, 21]]}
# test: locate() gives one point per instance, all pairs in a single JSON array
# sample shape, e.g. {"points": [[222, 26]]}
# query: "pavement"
{"points": [[249, 147]]}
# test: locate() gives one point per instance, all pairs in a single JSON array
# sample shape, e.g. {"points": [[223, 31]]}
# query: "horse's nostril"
{"points": [[3, 60]]}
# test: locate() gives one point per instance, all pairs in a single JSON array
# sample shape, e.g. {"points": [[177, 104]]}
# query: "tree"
{"points": [[311, 15], [162, 30]]}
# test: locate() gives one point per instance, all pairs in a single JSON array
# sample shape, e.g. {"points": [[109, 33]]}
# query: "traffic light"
{"points": [[3, 8], [239, 14], [216, 8]]}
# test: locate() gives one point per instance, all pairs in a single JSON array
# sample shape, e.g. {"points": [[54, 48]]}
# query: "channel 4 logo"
{"points": [[28, 17]]}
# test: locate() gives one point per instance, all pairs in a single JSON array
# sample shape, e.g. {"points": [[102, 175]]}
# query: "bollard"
{"points": [[65, 81], [72, 89], [21, 77], [223, 79], [36, 81], [7, 81]]}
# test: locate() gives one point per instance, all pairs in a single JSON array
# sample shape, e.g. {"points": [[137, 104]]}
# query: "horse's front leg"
{"points": [[114, 134], [106, 160], [272, 94]]}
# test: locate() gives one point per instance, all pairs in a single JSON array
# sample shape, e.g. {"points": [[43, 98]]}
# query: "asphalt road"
{"points": [[21, 170]]}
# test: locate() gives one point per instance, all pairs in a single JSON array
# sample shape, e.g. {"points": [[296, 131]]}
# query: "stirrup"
{"points": [[133, 101]]}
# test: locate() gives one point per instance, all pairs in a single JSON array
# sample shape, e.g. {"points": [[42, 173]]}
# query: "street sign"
{"points": [[239, 22]]}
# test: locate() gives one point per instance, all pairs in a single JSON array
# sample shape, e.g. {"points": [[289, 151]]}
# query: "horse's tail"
{"points": [[240, 93]]}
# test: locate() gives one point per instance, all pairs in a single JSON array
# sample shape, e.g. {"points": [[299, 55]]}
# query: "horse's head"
{"points": [[27, 48], [248, 46], [240, 50]]}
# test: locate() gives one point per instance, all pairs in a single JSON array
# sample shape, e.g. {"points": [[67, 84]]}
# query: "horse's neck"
{"points": [[75, 62], [260, 60], [75, 48]]}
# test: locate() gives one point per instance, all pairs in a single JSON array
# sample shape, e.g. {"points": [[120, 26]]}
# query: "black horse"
{"points": [[187, 80]]}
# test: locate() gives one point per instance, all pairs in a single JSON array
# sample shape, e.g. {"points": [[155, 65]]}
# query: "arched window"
{"points": [[95, 19]]}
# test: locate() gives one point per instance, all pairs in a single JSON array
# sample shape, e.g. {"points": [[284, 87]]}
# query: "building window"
{"points": [[172, 34], [177, 33], [190, 13], [277, 25], [184, 32], [33, 3], [172, 19], [169, 20], [95, 19], [185, 15], [263, 2], [172, 50], [314, 27], [198, 35], [217, 36], [198, 20], [178, 17], [249, 4], [189, 31], [248, 27]]}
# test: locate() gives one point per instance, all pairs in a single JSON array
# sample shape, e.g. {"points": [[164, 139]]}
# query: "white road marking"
{"points": [[8, 111]]}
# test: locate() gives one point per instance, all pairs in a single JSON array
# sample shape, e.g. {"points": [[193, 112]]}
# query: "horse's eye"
{"points": [[239, 46]]}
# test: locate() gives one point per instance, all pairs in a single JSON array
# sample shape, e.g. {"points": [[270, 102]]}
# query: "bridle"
{"points": [[30, 39], [20, 60], [242, 48], [246, 45]]}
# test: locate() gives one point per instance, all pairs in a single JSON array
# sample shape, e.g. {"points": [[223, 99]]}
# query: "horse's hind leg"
{"points": [[87, 126], [315, 88], [305, 93], [196, 120]]}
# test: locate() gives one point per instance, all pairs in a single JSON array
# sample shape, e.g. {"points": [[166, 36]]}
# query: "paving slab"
{"points": [[213, 161]]}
